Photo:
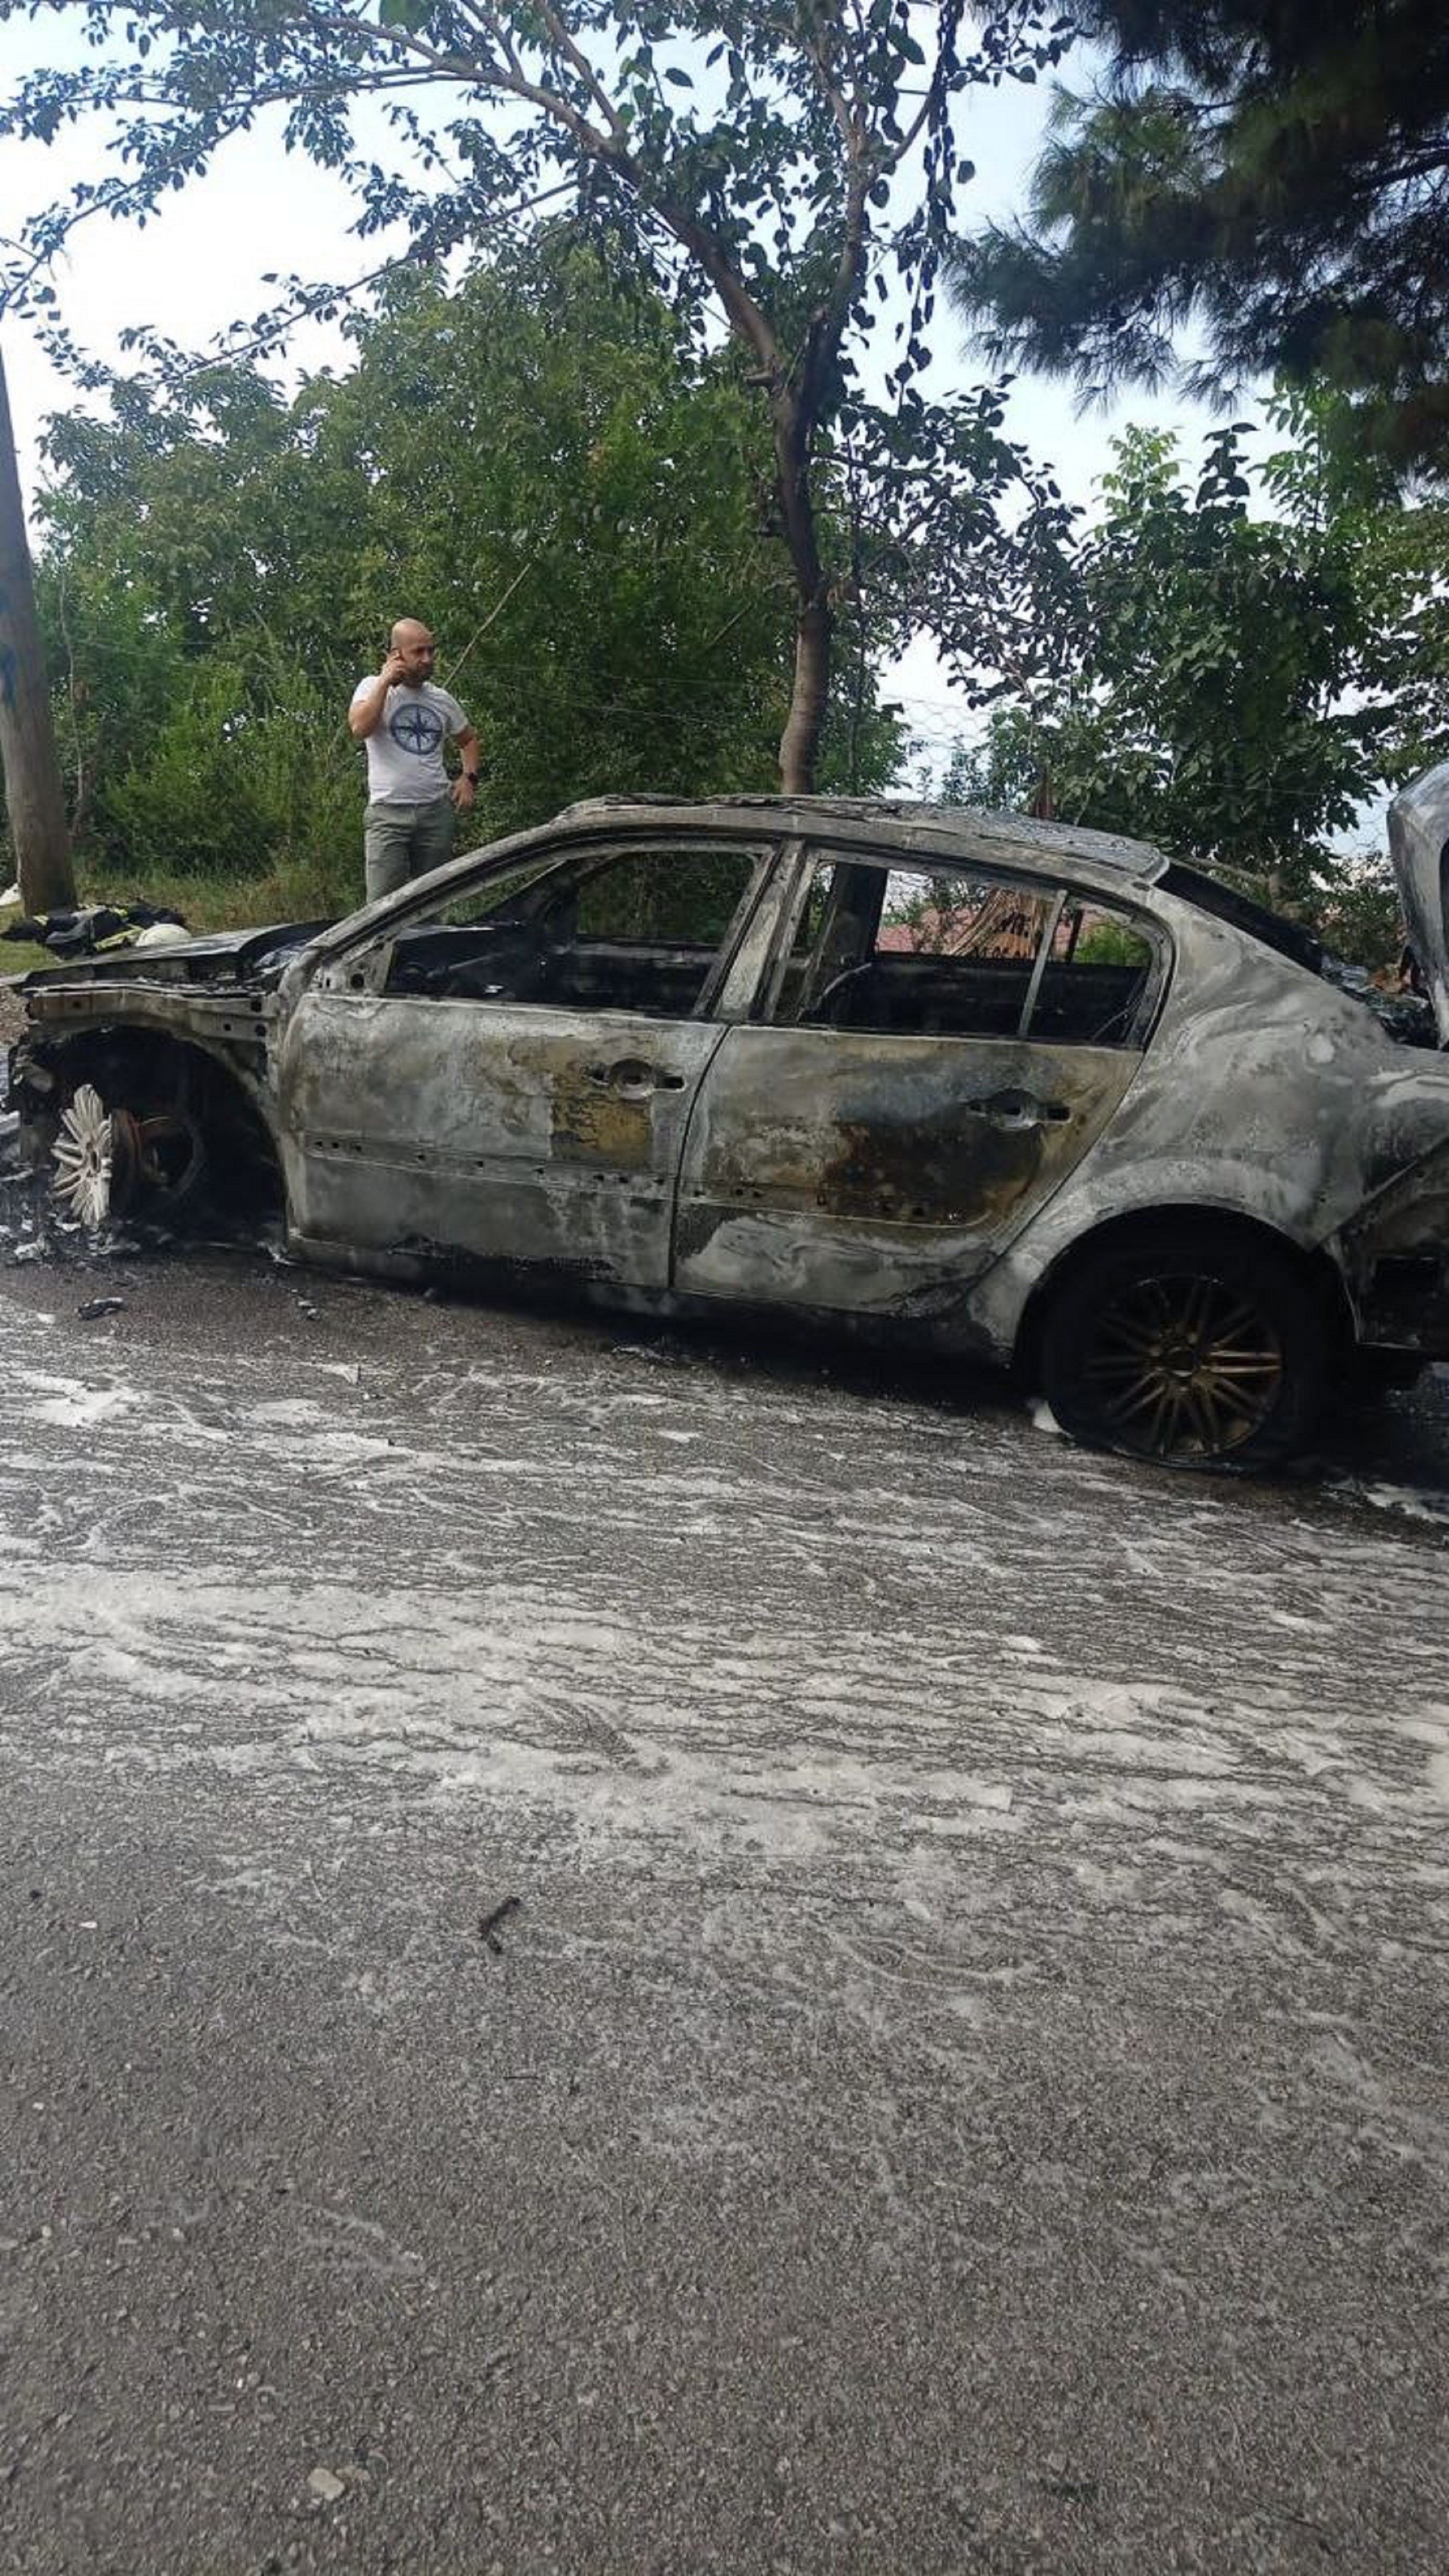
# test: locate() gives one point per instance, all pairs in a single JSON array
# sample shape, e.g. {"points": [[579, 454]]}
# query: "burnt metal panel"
{"points": [[1210, 894], [500, 1132], [1396, 1257], [840, 1170]]}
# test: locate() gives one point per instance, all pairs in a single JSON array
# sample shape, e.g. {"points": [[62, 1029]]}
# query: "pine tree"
{"points": [[1273, 180]]}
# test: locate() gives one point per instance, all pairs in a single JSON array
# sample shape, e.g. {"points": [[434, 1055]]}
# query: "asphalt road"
{"points": [[960, 2081]]}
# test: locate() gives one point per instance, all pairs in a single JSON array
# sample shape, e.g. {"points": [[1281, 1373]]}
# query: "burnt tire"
{"points": [[1373, 1374], [1186, 1350]]}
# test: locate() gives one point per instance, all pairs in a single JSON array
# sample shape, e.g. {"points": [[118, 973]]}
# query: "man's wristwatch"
{"points": [[472, 776]]}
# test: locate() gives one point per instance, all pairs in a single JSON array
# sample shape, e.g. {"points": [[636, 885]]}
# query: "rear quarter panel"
{"points": [[1265, 1093]]}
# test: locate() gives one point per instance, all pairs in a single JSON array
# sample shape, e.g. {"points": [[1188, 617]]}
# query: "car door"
{"points": [[936, 1051], [507, 1075]]}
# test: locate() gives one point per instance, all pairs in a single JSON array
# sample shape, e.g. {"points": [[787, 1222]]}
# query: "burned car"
{"points": [[1015, 1091]]}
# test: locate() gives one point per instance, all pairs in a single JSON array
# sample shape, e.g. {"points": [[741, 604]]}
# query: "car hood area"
{"points": [[1419, 848], [253, 957]]}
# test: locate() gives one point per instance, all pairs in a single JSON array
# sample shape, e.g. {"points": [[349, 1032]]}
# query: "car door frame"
{"points": [[360, 1203], [744, 1249]]}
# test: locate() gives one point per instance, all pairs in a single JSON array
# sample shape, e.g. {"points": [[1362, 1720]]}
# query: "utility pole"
{"points": [[34, 797]]}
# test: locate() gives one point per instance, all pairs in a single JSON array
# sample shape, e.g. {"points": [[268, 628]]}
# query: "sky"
{"points": [[200, 266]]}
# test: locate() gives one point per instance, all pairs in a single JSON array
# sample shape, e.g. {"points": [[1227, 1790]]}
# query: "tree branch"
{"points": [[574, 54]]}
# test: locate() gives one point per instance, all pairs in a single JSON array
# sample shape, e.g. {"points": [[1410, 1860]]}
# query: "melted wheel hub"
{"points": [[168, 1154]]}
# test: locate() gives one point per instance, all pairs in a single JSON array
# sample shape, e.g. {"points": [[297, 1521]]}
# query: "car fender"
{"points": [[1193, 1191]]}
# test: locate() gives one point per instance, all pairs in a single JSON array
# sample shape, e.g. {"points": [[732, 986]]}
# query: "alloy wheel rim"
{"points": [[86, 1157], [1183, 1366], [105, 1159]]}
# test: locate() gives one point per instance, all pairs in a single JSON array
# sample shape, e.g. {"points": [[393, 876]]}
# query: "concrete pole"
{"points": [[34, 797]]}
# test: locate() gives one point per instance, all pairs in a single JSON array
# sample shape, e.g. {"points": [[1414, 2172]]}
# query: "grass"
{"points": [[18, 957]]}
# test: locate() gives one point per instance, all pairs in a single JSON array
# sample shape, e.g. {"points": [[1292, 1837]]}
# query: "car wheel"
{"points": [[1186, 1350]]}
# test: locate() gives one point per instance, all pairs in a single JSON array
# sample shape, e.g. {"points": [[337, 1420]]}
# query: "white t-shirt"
{"points": [[405, 750]]}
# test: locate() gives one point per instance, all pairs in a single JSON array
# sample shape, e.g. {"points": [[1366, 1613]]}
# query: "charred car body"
{"points": [[1019, 1092]]}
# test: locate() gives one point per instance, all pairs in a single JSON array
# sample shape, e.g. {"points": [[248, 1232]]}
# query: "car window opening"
{"points": [[927, 953], [638, 930]]}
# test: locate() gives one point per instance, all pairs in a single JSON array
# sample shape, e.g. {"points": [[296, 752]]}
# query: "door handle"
{"points": [[1019, 1109], [633, 1078]]}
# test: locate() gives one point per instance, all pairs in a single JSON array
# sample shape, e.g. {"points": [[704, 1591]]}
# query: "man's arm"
{"points": [[465, 786], [365, 713]]}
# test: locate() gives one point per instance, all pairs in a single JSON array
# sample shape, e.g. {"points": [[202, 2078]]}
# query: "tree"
{"points": [[1276, 177], [764, 158], [28, 766], [537, 463], [1231, 686]]}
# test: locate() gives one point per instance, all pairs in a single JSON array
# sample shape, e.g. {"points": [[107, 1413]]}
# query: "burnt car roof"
{"points": [[970, 824], [999, 835]]}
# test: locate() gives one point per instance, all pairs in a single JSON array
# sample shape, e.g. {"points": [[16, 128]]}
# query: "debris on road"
{"points": [[97, 1306], [489, 1923], [326, 2486]]}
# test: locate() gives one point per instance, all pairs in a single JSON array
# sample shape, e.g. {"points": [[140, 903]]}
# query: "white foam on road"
{"points": [[831, 1625]]}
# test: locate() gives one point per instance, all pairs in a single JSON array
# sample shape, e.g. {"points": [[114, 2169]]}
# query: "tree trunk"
{"points": [[815, 621], [34, 797], [800, 741]]}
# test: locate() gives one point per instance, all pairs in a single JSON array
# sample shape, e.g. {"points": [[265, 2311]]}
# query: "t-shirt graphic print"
{"points": [[405, 752]]}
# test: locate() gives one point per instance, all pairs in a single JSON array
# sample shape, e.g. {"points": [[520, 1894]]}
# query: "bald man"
{"points": [[405, 719]]}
